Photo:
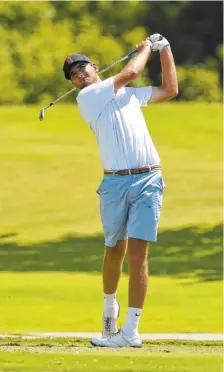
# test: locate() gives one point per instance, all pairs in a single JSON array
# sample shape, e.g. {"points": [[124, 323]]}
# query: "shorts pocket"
{"points": [[159, 182], [101, 186]]}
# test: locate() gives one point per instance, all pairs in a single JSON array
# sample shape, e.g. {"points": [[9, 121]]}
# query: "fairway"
{"points": [[51, 242], [50, 170], [61, 302], [78, 355]]}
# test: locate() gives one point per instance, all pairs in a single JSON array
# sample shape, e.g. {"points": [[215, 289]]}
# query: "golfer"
{"points": [[132, 187]]}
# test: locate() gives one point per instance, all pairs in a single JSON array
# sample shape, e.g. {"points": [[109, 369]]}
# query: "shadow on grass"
{"points": [[184, 252]]}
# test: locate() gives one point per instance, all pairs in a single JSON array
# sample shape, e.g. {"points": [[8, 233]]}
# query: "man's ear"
{"points": [[95, 67]]}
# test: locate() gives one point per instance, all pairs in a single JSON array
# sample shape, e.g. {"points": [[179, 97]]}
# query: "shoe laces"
{"points": [[115, 334]]}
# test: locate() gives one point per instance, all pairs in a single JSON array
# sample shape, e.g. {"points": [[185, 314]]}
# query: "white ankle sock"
{"points": [[130, 327], [110, 305]]}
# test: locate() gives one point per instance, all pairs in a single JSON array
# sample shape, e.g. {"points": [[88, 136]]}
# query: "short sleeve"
{"points": [[143, 95], [93, 99]]}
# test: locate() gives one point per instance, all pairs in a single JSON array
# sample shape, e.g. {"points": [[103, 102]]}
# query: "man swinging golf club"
{"points": [[132, 187]]}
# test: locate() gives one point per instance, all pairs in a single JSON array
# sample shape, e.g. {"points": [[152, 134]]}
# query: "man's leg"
{"points": [[143, 219], [138, 281], [112, 269], [137, 254], [112, 266]]}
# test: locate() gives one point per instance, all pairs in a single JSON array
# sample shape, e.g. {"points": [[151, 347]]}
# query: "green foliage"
{"points": [[24, 17], [37, 36], [220, 51], [116, 17], [41, 61], [198, 84], [9, 87]]}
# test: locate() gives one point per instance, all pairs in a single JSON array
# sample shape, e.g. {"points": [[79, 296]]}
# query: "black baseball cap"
{"points": [[71, 61]]}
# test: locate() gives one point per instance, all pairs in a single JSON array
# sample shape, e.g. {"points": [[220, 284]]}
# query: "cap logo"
{"points": [[69, 60]]}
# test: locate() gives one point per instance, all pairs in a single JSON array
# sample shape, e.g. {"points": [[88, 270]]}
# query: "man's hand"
{"points": [[158, 42], [144, 44]]}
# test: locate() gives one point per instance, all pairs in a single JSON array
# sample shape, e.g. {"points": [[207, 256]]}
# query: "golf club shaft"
{"points": [[105, 69], [120, 60]]}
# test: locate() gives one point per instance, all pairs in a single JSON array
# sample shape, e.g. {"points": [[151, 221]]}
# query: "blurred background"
{"points": [[51, 242], [37, 36]]}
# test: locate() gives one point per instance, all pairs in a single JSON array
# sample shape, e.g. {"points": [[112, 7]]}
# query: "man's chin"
{"points": [[86, 84]]}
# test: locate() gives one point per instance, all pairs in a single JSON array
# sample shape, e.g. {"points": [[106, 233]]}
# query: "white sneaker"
{"points": [[109, 324], [118, 340]]}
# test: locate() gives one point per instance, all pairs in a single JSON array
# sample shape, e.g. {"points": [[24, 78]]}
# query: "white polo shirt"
{"points": [[118, 124]]}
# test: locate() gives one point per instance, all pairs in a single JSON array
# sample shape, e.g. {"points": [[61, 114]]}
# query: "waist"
{"points": [[126, 172]]}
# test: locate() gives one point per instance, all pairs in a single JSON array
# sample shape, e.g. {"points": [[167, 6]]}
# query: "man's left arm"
{"points": [[169, 88]]}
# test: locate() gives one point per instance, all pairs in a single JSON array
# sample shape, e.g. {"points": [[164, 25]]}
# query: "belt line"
{"points": [[129, 171]]}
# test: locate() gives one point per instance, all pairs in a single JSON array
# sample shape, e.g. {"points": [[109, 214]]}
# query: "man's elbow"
{"points": [[171, 93], [134, 73], [175, 91]]}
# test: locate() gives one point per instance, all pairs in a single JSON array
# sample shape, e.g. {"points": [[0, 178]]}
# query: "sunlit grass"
{"points": [[50, 222], [110, 362], [73, 302], [51, 169]]}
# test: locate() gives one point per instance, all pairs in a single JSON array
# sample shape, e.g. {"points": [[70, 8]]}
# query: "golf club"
{"points": [[41, 114]]}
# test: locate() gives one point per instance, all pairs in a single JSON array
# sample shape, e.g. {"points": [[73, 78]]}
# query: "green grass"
{"points": [[62, 343], [110, 363], [73, 302], [50, 169], [51, 241], [79, 355]]}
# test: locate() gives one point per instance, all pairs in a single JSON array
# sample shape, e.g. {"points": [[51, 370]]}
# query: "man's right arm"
{"points": [[169, 88], [134, 68]]}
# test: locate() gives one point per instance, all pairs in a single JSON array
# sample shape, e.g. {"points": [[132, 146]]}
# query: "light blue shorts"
{"points": [[130, 206]]}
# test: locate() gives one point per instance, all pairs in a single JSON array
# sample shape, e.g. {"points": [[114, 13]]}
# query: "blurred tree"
{"points": [[198, 84], [24, 17], [37, 36], [117, 17], [10, 91], [41, 58]]}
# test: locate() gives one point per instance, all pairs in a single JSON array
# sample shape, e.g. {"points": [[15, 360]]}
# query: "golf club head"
{"points": [[41, 114]]}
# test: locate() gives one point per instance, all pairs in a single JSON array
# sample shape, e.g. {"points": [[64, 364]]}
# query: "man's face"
{"points": [[84, 74]]}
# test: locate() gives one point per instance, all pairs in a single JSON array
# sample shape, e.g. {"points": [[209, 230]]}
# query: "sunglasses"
{"points": [[79, 68]]}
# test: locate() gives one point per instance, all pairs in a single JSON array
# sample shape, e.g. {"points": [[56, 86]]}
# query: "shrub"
{"points": [[198, 84]]}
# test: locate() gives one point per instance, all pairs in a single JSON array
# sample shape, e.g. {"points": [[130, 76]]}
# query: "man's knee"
{"points": [[117, 253], [137, 251]]}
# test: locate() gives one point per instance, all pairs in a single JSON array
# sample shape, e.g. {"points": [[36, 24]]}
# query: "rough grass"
{"points": [[78, 355], [75, 342], [110, 362]]}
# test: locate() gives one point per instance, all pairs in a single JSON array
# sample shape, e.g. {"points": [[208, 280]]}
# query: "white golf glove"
{"points": [[158, 42]]}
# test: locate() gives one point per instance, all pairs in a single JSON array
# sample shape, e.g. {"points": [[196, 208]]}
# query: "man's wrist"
{"points": [[149, 47], [165, 48], [148, 43]]}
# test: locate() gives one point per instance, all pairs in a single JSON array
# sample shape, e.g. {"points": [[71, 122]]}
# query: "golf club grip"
{"points": [[132, 53]]}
